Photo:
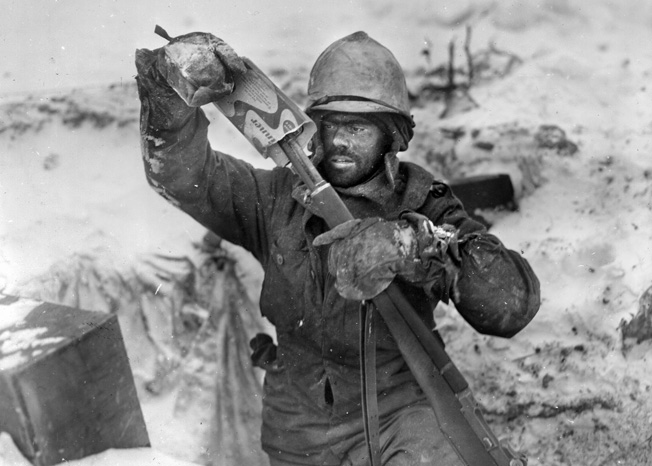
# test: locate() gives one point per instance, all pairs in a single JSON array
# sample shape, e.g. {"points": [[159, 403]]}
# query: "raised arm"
{"points": [[225, 194]]}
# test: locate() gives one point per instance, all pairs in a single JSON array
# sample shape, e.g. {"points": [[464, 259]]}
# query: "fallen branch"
{"points": [[469, 57], [533, 409]]}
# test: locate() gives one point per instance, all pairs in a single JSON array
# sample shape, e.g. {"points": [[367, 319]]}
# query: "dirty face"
{"points": [[354, 148]]}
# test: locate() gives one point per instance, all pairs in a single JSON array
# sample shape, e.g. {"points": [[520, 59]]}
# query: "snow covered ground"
{"points": [[570, 121]]}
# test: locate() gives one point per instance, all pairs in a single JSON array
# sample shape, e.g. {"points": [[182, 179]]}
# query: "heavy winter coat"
{"points": [[312, 394]]}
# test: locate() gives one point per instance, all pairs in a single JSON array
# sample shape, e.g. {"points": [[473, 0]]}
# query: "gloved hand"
{"points": [[264, 352], [366, 255], [191, 70], [199, 67]]}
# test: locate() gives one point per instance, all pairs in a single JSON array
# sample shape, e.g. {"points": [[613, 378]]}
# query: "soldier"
{"points": [[358, 98]]}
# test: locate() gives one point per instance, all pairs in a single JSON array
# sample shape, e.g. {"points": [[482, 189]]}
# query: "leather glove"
{"points": [[161, 106], [366, 255], [199, 67], [191, 70], [264, 351], [438, 268]]}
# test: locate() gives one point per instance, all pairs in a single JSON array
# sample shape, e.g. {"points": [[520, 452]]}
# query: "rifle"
{"points": [[456, 409], [280, 130]]}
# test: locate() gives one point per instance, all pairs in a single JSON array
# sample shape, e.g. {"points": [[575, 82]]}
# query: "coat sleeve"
{"points": [[226, 195], [497, 290]]}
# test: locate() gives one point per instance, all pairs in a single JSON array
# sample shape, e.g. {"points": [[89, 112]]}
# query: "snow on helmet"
{"points": [[359, 75]]}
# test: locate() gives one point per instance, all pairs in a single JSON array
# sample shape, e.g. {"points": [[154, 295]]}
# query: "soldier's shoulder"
{"points": [[418, 176]]}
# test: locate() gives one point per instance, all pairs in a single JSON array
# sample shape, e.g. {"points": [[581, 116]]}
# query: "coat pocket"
{"points": [[282, 297]]}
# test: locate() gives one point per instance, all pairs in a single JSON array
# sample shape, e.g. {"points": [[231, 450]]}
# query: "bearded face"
{"points": [[354, 148]]}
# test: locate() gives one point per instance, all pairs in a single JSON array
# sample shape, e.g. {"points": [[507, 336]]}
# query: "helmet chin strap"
{"points": [[391, 165]]}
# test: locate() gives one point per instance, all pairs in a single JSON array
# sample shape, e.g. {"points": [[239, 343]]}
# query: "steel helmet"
{"points": [[357, 74]]}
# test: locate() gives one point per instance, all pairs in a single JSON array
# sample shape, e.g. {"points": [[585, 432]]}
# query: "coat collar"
{"points": [[412, 188]]}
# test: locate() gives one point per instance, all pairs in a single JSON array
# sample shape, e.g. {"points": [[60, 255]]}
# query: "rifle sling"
{"points": [[368, 382]]}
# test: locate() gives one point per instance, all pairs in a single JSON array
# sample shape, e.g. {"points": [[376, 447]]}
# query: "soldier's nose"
{"points": [[340, 139]]}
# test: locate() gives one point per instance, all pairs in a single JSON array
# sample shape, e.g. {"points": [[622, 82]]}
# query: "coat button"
{"points": [[279, 259]]}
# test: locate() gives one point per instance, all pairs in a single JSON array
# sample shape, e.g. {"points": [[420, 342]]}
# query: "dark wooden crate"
{"points": [[484, 192], [66, 387]]}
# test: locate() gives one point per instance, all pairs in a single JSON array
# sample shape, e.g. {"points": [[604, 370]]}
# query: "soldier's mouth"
{"points": [[341, 161]]}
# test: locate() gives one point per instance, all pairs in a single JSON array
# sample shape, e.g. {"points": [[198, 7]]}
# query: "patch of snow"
{"points": [[14, 313]]}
